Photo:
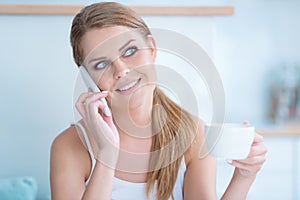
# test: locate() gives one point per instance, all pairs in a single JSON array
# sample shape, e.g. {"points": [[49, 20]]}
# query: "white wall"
{"points": [[38, 74], [262, 35]]}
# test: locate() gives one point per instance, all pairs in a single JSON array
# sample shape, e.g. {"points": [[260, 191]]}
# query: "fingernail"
{"points": [[104, 92], [107, 111], [229, 161]]}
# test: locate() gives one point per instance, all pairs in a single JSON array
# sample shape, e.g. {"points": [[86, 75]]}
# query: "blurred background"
{"points": [[256, 51]]}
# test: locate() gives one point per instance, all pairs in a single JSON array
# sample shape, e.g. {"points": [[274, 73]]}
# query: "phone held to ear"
{"points": [[91, 84]]}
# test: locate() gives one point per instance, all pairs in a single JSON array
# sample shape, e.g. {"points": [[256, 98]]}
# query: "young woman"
{"points": [[148, 147]]}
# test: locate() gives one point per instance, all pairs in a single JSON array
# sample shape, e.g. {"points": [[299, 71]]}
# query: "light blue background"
{"points": [[38, 73]]}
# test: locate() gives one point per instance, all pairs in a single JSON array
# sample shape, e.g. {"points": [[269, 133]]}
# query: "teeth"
{"points": [[128, 86]]}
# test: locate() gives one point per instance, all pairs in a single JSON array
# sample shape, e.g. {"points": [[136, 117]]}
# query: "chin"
{"points": [[142, 98]]}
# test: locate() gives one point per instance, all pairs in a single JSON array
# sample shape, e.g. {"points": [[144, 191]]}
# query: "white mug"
{"points": [[229, 141]]}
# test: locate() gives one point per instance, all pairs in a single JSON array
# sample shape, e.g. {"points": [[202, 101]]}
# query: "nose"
{"points": [[120, 69]]}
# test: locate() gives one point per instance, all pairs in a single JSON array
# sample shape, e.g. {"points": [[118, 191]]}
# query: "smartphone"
{"points": [[91, 84]]}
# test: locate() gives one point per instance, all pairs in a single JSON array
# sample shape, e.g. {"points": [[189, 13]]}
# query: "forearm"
{"points": [[101, 183], [238, 187]]}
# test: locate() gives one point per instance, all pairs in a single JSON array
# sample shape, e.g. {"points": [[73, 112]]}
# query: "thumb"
{"points": [[246, 122], [107, 119]]}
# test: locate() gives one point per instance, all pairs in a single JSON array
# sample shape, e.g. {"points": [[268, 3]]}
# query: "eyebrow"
{"points": [[126, 44], [92, 60], [120, 49]]}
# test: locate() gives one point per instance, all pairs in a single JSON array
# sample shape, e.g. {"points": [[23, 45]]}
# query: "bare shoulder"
{"points": [[67, 140], [70, 165], [201, 168], [198, 142], [68, 151]]}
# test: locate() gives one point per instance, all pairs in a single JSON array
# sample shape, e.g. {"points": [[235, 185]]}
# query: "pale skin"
{"points": [[70, 160]]}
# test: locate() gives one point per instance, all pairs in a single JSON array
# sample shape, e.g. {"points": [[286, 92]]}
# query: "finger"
{"points": [[251, 168], [82, 97], [80, 103], [257, 139], [246, 122], [103, 120], [84, 104], [94, 102], [257, 150], [107, 119], [256, 160], [94, 111], [95, 97]]}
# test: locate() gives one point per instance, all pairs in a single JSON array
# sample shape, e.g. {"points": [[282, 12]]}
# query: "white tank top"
{"points": [[125, 190]]}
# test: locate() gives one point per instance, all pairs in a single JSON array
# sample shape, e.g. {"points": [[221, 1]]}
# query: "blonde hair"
{"points": [[180, 125], [102, 15]]}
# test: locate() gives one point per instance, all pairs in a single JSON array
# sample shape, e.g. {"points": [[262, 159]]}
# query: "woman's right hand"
{"points": [[100, 126]]}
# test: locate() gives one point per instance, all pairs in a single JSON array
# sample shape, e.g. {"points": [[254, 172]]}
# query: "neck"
{"points": [[135, 121], [141, 116], [133, 142]]}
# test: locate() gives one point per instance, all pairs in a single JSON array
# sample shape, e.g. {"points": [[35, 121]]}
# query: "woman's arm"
{"points": [[69, 156], [200, 177], [238, 187], [101, 183], [246, 170], [70, 166]]}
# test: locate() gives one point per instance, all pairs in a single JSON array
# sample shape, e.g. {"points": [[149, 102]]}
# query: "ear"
{"points": [[152, 46]]}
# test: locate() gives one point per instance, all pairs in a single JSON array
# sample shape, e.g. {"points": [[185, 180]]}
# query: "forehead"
{"points": [[107, 37]]}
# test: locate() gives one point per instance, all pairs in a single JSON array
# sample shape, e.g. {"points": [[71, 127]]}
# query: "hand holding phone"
{"points": [[91, 84]]}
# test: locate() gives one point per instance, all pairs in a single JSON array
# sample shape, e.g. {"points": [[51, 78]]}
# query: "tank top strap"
{"points": [[89, 148]]}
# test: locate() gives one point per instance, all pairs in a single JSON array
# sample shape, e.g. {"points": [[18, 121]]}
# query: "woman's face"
{"points": [[121, 61]]}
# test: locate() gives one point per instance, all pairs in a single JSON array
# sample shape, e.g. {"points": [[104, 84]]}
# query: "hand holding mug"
{"points": [[238, 143], [256, 158]]}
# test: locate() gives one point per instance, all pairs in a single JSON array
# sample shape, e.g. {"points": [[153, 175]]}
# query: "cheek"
{"points": [[105, 85], [104, 80], [143, 58], [149, 72], [109, 99]]}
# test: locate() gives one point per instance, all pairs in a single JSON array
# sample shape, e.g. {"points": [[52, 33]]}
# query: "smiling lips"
{"points": [[127, 89]]}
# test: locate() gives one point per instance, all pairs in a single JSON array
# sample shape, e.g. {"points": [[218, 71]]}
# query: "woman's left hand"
{"points": [[256, 158]]}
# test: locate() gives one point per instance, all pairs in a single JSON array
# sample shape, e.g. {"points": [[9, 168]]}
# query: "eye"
{"points": [[130, 51], [102, 64]]}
